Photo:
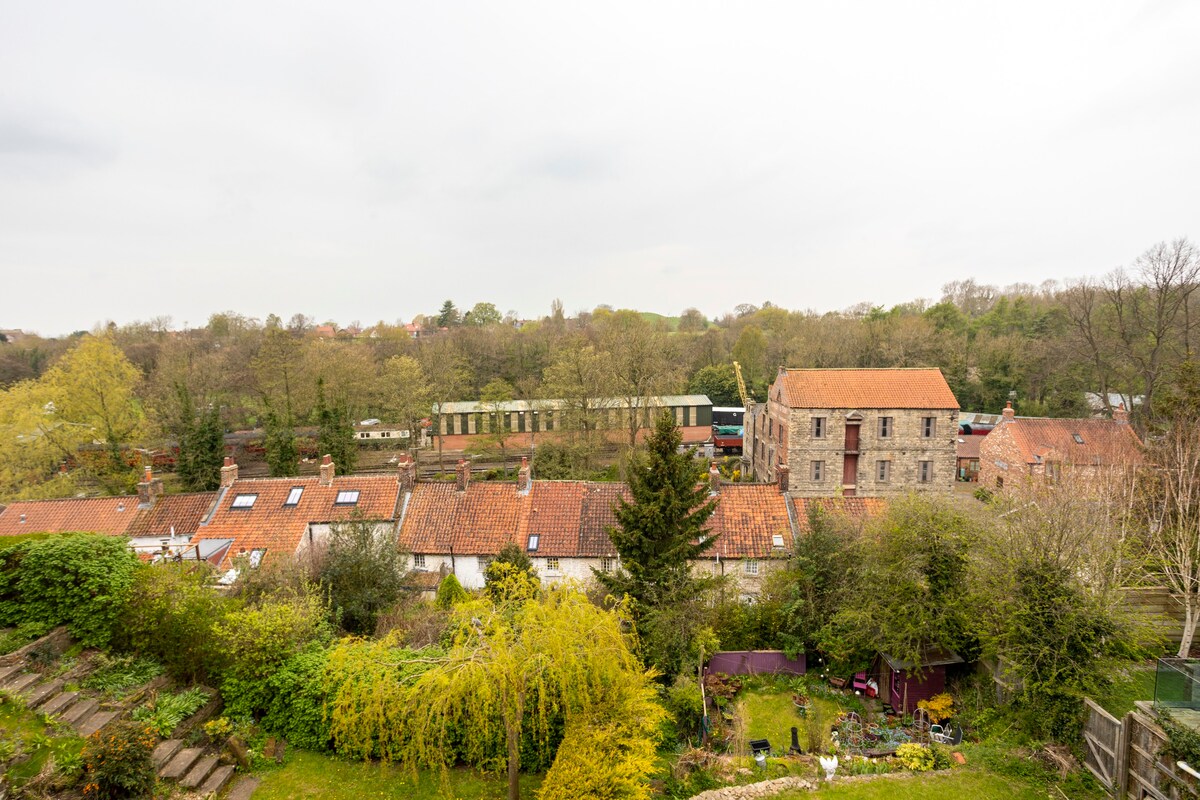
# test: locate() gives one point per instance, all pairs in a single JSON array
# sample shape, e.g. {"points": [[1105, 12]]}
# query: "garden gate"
{"points": [[1102, 739]]}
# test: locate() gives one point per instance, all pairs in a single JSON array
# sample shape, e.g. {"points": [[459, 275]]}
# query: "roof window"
{"points": [[1078, 439], [777, 540], [293, 497], [244, 501], [348, 497], [533, 542]]}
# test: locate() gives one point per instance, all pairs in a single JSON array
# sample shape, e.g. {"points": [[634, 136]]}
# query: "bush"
{"points": [[916, 757], [171, 614], [450, 592], [362, 572], [938, 707], [118, 761], [600, 761], [685, 703], [257, 639], [297, 691], [81, 580], [116, 675]]}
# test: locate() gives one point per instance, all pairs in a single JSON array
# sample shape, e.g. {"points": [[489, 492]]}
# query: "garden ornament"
{"points": [[830, 765]]}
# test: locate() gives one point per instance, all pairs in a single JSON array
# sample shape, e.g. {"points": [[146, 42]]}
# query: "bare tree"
{"points": [[1173, 509]]}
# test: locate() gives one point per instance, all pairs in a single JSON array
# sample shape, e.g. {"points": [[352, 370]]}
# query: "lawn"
{"points": [[939, 786], [1136, 684], [307, 774], [771, 715]]}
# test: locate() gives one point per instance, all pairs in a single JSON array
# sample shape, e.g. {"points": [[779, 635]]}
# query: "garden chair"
{"points": [[952, 735]]}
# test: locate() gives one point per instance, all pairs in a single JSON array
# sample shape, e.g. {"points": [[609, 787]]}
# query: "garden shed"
{"points": [[903, 684]]}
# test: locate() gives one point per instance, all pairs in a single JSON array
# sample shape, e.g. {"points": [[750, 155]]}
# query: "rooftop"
{"points": [[866, 388]]}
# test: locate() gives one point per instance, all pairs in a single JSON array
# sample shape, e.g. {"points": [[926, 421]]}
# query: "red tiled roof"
{"points": [[857, 509], [1105, 441], [968, 446], [866, 388], [179, 512], [572, 519], [110, 515], [270, 525]]}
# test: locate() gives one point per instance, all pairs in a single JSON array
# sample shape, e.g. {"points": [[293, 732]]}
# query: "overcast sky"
{"points": [[366, 162]]}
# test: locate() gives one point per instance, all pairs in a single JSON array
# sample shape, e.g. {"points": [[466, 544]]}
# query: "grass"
{"points": [[938, 786], [22, 731], [1136, 684], [307, 774], [771, 715]]}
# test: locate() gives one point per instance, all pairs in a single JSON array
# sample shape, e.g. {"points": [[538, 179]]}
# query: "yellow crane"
{"points": [[746, 399]]}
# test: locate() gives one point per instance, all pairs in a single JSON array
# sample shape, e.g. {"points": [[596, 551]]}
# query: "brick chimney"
{"points": [[1120, 414], [327, 470], [524, 478], [1008, 412], [463, 471], [149, 490], [782, 474], [229, 473], [714, 479], [407, 475]]}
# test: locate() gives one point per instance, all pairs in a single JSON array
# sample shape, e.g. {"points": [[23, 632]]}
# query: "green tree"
{"points": [[448, 316], [482, 315], [280, 444], [555, 647], [582, 378], [494, 396], [513, 556], [201, 443], [657, 535], [450, 592], [719, 382], [820, 579], [406, 394], [335, 431], [750, 351], [362, 573]]}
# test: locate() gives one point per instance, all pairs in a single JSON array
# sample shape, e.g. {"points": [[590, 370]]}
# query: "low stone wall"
{"points": [[57, 640], [774, 787]]}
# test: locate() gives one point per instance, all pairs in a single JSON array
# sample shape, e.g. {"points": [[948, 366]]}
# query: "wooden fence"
{"points": [[1158, 608], [1126, 756]]}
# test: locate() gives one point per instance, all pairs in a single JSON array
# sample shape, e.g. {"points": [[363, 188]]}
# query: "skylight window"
{"points": [[1078, 439], [347, 498], [777, 540], [244, 501], [533, 542], [293, 497]]}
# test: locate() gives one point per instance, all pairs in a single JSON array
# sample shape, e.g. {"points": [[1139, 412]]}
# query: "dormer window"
{"points": [[533, 542], [244, 501], [293, 498], [1078, 439], [347, 498]]}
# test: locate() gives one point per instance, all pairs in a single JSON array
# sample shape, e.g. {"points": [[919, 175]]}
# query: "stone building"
{"points": [[856, 432], [1042, 447]]}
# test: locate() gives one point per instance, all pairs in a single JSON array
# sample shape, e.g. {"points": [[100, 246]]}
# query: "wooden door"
{"points": [[849, 474], [852, 438]]}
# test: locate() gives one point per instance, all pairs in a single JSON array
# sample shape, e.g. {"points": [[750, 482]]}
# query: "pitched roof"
{"points": [[109, 515], [968, 446], [866, 388], [180, 513], [1074, 441], [856, 508], [571, 519], [270, 525]]}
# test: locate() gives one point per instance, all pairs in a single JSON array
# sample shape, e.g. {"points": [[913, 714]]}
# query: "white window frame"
{"points": [[608, 564], [347, 497], [553, 565], [750, 566], [534, 541], [293, 498], [244, 501], [419, 561]]}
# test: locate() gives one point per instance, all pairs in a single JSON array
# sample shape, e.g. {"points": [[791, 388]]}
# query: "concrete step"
{"points": [[217, 780], [59, 703], [243, 789], [42, 692], [199, 772], [22, 682], [165, 751], [181, 763], [82, 709], [95, 722], [9, 671]]}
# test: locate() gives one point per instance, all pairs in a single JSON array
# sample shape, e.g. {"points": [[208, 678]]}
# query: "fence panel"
{"points": [[755, 662]]}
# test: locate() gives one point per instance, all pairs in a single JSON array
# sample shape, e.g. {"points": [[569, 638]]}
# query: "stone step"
{"points": [[22, 682], [58, 704], [43, 692], [243, 789], [83, 709], [165, 751], [181, 763], [217, 780], [9, 671], [198, 773], [95, 722]]}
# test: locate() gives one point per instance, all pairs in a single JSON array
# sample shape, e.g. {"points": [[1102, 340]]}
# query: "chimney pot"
{"points": [[463, 475], [524, 479], [149, 490], [714, 479], [407, 474], [327, 470], [1008, 412], [1120, 414], [783, 474]]}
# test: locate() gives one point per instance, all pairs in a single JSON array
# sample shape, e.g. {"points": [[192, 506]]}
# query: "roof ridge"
{"points": [[78, 499]]}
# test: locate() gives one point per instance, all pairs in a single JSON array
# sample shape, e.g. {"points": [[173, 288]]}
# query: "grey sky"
{"points": [[354, 161]]}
